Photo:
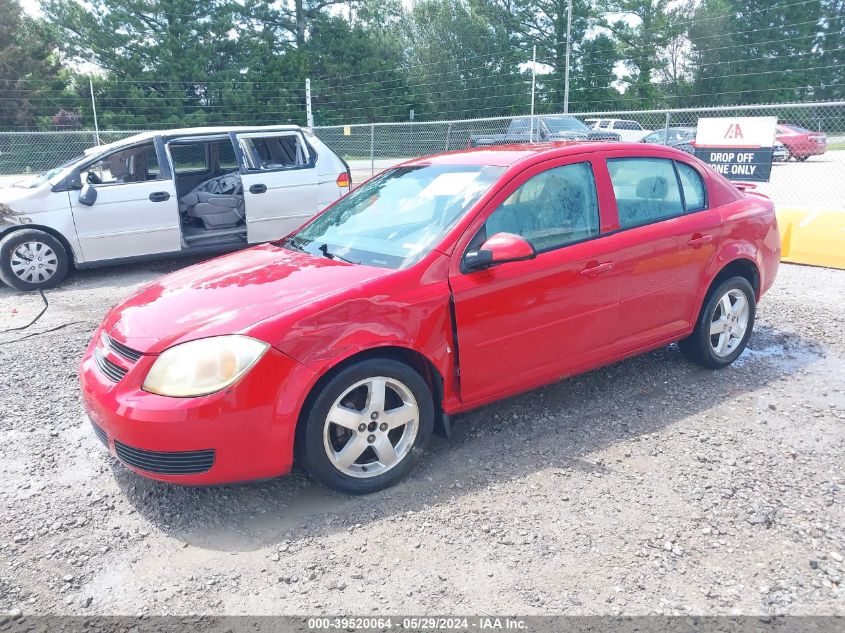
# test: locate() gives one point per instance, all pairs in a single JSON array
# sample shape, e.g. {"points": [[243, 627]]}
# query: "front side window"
{"points": [[565, 124], [395, 219], [189, 158], [552, 209], [136, 164], [646, 190], [695, 196]]}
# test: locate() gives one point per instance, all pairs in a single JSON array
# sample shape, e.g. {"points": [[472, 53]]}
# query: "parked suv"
{"points": [[165, 193]]}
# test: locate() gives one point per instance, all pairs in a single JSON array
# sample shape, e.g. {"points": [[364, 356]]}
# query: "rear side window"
{"points": [[274, 152], [646, 190], [554, 208], [695, 195], [226, 160], [188, 158]]}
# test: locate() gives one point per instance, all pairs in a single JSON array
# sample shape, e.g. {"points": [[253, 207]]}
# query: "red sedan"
{"points": [[438, 286], [801, 143]]}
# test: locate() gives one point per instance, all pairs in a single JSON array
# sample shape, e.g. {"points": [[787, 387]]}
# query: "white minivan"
{"points": [[164, 193]]}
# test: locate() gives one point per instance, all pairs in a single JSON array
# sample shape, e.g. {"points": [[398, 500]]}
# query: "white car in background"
{"points": [[628, 131], [165, 193]]}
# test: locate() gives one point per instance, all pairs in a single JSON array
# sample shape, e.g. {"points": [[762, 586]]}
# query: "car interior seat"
{"points": [[218, 202]]}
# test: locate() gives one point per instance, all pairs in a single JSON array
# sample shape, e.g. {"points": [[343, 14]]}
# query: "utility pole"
{"points": [[533, 79], [94, 107], [568, 49], [309, 116]]}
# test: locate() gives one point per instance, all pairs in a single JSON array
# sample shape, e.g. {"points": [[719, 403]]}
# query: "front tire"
{"points": [[367, 427], [31, 260], [724, 325]]}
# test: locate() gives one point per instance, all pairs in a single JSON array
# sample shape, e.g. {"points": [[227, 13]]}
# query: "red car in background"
{"points": [[441, 285], [801, 143]]}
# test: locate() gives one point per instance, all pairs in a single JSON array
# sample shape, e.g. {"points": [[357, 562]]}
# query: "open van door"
{"points": [[279, 178]]}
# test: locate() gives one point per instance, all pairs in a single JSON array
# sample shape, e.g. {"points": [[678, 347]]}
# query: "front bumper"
{"points": [[241, 433]]}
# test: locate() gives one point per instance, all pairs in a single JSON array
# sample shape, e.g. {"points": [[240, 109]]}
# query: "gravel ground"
{"points": [[651, 486]]}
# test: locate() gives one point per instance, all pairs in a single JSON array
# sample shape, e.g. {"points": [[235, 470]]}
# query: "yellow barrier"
{"points": [[812, 236]]}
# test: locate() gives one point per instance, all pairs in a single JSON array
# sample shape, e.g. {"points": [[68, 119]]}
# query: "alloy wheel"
{"points": [[371, 427], [729, 322], [34, 262]]}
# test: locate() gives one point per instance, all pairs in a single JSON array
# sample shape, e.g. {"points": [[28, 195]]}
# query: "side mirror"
{"points": [[499, 249], [88, 195]]}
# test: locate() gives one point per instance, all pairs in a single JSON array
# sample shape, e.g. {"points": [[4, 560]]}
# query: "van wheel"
{"points": [[31, 260], [724, 325], [368, 427]]}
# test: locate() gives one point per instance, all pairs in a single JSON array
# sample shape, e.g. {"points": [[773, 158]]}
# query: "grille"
{"points": [[109, 368], [127, 352], [166, 463], [100, 433]]}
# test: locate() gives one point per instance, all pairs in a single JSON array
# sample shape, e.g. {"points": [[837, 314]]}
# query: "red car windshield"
{"points": [[395, 219]]}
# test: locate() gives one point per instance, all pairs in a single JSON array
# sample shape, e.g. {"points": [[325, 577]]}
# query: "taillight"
{"points": [[343, 180]]}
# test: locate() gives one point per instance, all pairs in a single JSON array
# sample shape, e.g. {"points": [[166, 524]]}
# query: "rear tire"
{"points": [[368, 427], [31, 259], [724, 325]]}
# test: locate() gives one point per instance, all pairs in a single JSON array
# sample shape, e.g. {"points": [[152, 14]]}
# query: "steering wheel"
{"points": [[93, 179]]}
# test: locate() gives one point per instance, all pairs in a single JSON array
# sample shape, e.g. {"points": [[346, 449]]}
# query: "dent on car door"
{"points": [[548, 316], [667, 237], [280, 183], [134, 211]]}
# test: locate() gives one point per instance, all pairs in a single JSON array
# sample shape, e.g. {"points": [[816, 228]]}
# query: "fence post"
{"points": [[448, 135], [666, 128], [372, 149]]}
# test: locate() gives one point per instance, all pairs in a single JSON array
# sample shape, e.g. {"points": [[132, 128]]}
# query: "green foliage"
{"points": [[168, 63]]}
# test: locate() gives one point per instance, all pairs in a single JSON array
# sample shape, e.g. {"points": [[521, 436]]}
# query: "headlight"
{"points": [[201, 367]]}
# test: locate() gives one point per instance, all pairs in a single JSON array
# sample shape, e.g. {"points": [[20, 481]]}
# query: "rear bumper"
{"points": [[242, 433]]}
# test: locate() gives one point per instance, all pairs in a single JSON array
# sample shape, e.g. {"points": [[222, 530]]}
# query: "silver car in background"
{"points": [[165, 193]]}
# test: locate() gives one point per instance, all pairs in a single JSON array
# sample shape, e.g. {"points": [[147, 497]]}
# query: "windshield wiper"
{"points": [[324, 249]]}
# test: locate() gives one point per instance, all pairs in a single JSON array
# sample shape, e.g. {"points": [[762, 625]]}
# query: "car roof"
{"points": [[188, 131], [507, 155]]}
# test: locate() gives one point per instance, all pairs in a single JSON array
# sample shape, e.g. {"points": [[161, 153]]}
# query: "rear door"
{"points": [[280, 182], [135, 212], [666, 240]]}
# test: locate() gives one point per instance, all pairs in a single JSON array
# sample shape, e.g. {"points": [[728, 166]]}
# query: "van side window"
{"points": [[226, 160], [646, 190], [274, 152], [136, 164], [554, 208], [694, 193], [189, 158]]}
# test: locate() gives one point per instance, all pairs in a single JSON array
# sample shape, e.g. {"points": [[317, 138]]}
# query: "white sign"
{"points": [[740, 148], [744, 132]]}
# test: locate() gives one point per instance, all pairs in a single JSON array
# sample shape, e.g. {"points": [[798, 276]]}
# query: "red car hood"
{"points": [[227, 294]]}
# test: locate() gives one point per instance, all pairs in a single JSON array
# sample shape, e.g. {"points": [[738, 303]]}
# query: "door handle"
{"points": [[258, 188], [698, 240], [598, 269], [159, 196]]}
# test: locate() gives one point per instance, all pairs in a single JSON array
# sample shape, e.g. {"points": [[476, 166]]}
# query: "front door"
{"points": [[521, 324], [280, 183], [135, 212]]}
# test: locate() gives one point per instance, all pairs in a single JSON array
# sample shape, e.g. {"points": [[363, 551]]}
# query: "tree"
{"points": [[747, 53], [31, 79], [458, 62], [643, 29]]}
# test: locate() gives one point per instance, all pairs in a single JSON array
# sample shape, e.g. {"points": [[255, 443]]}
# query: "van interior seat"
{"points": [[218, 202]]}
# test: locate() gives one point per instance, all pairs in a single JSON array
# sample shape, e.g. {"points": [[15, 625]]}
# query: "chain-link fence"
{"points": [[802, 176]]}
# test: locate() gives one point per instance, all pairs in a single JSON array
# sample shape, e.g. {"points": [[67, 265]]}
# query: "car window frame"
{"points": [[511, 182], [236, 137], [176, 142], [163, 175], [674, 162]]}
